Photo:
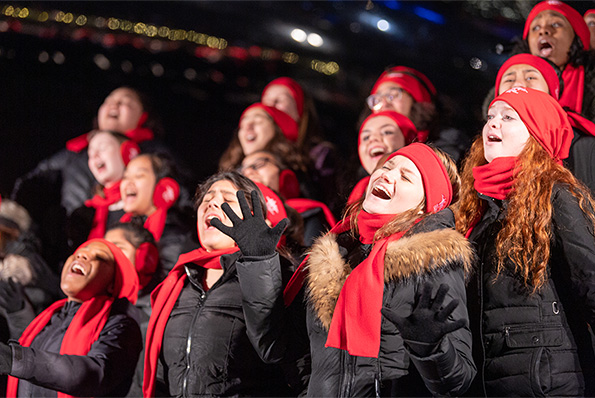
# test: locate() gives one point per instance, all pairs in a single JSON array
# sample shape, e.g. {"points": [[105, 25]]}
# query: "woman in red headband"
{"points": [[198, 342], [86, 344], [532, 222], [376, 257], [556, 31]]}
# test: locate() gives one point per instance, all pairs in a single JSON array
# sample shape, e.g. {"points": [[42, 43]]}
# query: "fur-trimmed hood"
{"points": [[406, 259]]}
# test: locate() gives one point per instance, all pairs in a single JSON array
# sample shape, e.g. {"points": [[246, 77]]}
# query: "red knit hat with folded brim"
{"points": [[287, 125], [414, 82], [546, 70], [573, 16], [296, 91]]}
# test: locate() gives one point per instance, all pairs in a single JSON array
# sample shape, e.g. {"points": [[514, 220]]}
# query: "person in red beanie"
{"points": [[526, 70], [556, 31], [532, 223], [395, 254], [86, 344], [198, 341]]}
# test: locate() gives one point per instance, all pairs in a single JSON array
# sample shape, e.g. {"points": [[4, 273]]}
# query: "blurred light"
{"points": [[100, 22], [68, 18], [475, 63], [139, 28], [267, 54], [163, 31], [8, 11], [383, 25], [157, 70], [43, 17], [43, 57], [151, 31], [315, 40], [113, 23], [127, 66], [4, 26], [190, 74], [59, 58], [126, 25], [59, 16], [81, 20], [392, 4], [156, 45], [298, 35], [290, 58], [24, 13], [101, 61], [429, 15], [212, 42]]}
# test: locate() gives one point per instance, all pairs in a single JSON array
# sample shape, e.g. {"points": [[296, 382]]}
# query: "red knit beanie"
{"points": [[573, 16], [293, 86], [414, 82], [287, 125], [546, 70]]}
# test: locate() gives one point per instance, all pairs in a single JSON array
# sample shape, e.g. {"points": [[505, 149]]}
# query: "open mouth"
{"points": [[494, 138], [381, 193], [378, 151], [100, 166], [545, 48], [208, 220], [250, 137], [78, 269]]}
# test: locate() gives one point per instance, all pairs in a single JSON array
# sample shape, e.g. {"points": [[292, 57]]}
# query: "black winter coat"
{"points": [[105, 371], [441, 256], [538, 344]]}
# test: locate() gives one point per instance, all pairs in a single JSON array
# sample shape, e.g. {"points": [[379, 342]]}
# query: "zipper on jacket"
{"points": [[347, 377], [378, 379], [203, 294]]}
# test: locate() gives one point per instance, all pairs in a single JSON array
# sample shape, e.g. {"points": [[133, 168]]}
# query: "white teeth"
{"points": [[78, 268], [377, 152]]}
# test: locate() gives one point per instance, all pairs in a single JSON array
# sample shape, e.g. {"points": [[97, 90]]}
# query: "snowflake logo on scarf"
{"points": [[272, 205], [441, 205], [517, 90]]}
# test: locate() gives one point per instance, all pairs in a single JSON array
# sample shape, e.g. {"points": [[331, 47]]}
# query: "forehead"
{"points": [[255, 112], [521, 68], [545, 14], [399, 162], [387, 86], [140, 162], [116, 235], [222, 185], [379, 121], [99, 248], [257, 156], [103, 137], [277, 90], [124, 92], [499, 106]]}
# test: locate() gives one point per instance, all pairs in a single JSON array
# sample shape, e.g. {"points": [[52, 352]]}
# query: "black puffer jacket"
{"points": [[441, 256], [580, 158], [539, 344]]}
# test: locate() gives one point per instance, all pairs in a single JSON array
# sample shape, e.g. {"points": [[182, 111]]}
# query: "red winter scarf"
{"points": [[163, 299], [581, 123], [101, 204], [574, 84], [495, 179], [359, 190], [89, 320], [155, 223]]}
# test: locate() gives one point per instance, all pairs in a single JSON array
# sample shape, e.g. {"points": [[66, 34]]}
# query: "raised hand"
{"points": [[252, 234], [428, 322]]}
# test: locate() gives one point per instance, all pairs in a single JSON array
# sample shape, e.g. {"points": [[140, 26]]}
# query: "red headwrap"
{"points": [[287, 125], [573, 16], [163, 299], [591, 11], [89, 320], [411, 80], [405, 125], [293, 86], [546, 70], [545, 119]]}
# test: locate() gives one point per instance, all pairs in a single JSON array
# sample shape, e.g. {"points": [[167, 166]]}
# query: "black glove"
{"points": [[5, 359], [252, 234], [427, 324], [12, 297]]}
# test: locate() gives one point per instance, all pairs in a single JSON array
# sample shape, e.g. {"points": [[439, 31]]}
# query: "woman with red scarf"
{"points": [[198, 342], [556, 31], [86, 344], [532, 223], [376, 262]]}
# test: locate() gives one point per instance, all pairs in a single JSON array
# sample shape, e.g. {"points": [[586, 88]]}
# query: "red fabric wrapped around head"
{"points": [[287, 125], [545, 119], [293, 86], [414, 82], [546, 70], [573, 16], [407, 127]]}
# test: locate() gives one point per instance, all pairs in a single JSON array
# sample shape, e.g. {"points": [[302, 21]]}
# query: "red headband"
{"points": [[411, 80], [573, 16], [545, 119], [546, 70], [287, 125], [407, 127], [591, 11], [125, 276], [293, 86], [437, 186]]}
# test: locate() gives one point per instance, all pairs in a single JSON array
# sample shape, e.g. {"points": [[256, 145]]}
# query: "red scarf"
{"points": [[574, 84], [359, 190], [163, 299], [581, 123], [101, 204], [302, 204], [155, 223], [89, 320], [495, 179], [355, 326]]}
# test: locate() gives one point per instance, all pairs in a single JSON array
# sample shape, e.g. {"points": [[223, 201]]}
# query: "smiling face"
{"points": [[105, 159], [550, 36], [137, 186], [89, 272], [261, 167], [504, 133], [280, 97], [120, 111], [590, 21], [394, 188], [256, 130], [401, 102], [222, 191], [379, 136], [523, 75]]}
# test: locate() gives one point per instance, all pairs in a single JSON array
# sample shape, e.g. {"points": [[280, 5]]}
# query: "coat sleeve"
{"points": [[449, 369], [109, 363], [574, 233]]}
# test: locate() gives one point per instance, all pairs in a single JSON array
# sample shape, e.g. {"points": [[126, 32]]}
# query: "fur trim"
{"points": [[410, 257]]}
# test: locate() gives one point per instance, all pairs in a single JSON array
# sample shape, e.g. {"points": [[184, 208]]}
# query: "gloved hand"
{"points": [[252, 234], [5, 359], [427, 324], [12, 297]]}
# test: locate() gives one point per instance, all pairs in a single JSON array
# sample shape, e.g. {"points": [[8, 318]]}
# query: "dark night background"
{"points": [[55, 72]]}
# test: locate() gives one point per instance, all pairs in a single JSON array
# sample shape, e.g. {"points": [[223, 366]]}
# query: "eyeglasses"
{"points": [[375, 100], [258, 164]]}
